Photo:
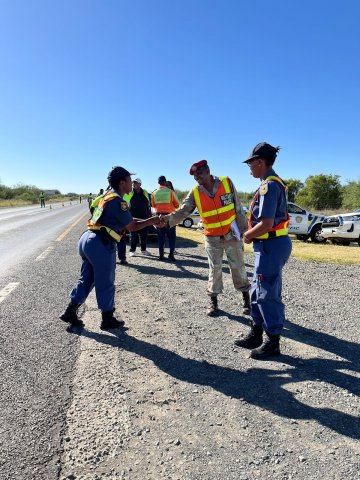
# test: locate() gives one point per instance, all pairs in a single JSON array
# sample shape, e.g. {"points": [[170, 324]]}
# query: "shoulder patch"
{"points": [[124, 206], [264, 188]]}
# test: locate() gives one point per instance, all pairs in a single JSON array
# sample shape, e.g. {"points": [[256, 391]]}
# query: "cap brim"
{"points": [[251, 158]]}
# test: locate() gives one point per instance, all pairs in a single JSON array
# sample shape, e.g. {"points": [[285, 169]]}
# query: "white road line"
{"points": [[44, 254], [7, 290]]}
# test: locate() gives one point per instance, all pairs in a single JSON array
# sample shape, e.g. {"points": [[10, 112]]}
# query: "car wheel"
{"points": [[187, 223], [315, 234]]}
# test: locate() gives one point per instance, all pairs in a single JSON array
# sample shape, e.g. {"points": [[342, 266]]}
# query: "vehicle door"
{"points": [[298, 219]]}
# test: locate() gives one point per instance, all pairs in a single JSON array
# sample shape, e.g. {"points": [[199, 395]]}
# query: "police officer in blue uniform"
{"points": [[268, 232], [97, 248]]}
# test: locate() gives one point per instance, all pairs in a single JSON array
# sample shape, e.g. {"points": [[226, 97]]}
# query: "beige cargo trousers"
{"points": [[234, 249]]}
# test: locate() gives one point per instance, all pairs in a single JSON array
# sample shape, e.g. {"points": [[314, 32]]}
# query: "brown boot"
{"points": [[213, 310], [247, 303]]}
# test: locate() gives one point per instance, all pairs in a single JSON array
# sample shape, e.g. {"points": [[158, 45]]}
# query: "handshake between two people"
{"points": [[158, 221]]}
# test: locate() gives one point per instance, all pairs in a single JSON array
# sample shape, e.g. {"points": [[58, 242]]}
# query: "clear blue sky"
{"points": [[155, 85]]}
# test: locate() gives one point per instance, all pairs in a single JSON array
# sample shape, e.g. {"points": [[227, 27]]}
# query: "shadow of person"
{"points": [[180, 272], [257, 386]]}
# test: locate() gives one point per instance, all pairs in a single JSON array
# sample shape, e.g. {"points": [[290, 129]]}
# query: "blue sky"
{"points": [[155, 85]]}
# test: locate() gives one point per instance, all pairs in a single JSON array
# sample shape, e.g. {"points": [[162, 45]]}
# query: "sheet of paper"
{"points": [[235, 230]]}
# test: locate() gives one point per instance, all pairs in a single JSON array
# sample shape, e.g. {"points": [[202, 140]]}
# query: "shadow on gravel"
{"points": [[180, 272], [257, 386]]}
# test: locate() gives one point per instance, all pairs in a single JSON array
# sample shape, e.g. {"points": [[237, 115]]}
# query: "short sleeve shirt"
{"points": [[270, 203], [116, 214]]}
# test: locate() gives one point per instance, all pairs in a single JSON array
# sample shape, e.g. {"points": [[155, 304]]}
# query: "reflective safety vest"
{"points": [[162, 195], [131, 194], [216, 213], [94, 225], [283, 227]]}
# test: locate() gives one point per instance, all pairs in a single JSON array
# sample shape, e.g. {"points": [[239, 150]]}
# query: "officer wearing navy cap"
{"points": [[97, 248], [268, 232]]}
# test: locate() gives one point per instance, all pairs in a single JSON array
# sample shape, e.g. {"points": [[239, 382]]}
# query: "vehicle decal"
{"points": [[313, 220]]}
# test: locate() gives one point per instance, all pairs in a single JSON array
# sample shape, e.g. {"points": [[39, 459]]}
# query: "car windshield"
{"points": [[351, 218]]}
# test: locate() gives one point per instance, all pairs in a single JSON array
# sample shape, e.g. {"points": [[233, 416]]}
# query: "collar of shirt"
{"points": [[215, 187], [269, 173]]}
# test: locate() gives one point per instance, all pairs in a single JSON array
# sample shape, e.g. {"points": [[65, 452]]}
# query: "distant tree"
{"points": [[181, 194], [294, 186], [351, 195], [321, 192], [246, 198]]}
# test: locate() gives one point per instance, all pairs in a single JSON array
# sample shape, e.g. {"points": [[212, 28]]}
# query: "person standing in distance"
{"points": [[139, 203], [164, 201], [220, 209], [98, 251], [268, 232], [42, 199]]}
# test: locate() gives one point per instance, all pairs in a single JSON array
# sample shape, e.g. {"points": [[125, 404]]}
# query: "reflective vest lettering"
{"points": [[279, 230], [93, 224], [216, 213]]}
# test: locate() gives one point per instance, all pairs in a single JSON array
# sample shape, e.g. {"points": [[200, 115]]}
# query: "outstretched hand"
{"points": [[159, 221]]}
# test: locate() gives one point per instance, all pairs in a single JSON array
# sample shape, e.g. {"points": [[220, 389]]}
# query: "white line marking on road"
{"points": [[7, 290], [44, 254]]}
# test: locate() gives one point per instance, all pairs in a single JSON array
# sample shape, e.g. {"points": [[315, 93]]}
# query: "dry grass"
{"points": [[22, 203], [306, 251]]}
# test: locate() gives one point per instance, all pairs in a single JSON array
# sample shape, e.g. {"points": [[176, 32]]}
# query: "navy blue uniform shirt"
{"points": [[116, 214], [272, 204]]}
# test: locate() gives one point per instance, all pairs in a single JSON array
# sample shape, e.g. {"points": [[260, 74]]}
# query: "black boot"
{"points": [[109, 321], [252, 340], [70, 315], [213, 310], [270, 348], [247, 303]]}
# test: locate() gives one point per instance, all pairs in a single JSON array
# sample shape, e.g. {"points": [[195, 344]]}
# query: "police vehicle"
{"points": [[342, 229], [193, 219], [304, 224]]}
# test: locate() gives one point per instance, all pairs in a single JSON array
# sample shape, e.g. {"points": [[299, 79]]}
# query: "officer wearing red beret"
{"points": [[224, 221]]}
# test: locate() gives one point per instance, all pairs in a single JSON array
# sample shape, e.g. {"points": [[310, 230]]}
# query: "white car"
{"points": [[305, 224], [342, 229], [192, 219]]}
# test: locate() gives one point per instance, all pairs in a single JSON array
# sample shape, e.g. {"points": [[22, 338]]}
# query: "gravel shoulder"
{"points": [[169, 397]]}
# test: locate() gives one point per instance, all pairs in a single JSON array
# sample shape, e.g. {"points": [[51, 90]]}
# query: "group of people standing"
{"points": [[226, 228], [163, 200]]}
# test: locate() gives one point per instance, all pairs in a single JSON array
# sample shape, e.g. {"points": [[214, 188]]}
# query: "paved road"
{"points": [[36, 357], [25, 230]]}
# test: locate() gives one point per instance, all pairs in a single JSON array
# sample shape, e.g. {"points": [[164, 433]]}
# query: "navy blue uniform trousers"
{"points": [[97, 270], [170, 233], [267, 308]]}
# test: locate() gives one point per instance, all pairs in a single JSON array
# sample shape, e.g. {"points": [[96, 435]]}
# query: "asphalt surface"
{"points": [[169, 397], [36, 357]]}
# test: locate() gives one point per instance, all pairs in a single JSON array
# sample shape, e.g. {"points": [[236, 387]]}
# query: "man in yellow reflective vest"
{"points": [[224, 223], [164, 201], [139, 204]]}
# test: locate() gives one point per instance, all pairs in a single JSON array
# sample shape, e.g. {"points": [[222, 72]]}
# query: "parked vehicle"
{"points": [[193, 219], [305, 224], [342, 229]]}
